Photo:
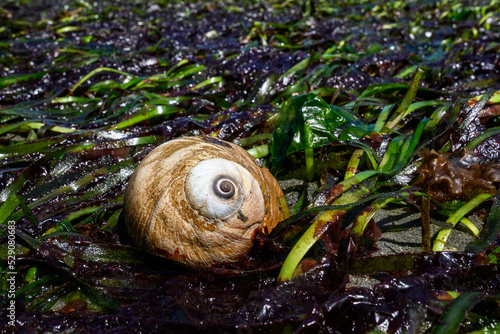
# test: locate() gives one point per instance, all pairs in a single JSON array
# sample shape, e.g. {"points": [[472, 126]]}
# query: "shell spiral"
{"points": [[199, 200]]}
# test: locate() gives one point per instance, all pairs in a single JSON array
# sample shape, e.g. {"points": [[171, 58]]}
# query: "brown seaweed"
{"points": [[446, 177]]}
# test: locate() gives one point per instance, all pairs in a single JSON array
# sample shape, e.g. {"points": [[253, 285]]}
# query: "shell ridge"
{"points": [[151, 218]]}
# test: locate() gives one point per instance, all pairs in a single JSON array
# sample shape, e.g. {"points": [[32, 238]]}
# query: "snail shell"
{"points": [[199, 200]]}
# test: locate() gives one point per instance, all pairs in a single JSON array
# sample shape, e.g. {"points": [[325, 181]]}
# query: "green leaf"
{"points": [[404, 107], [451, 320], [490, 230], [306, 122], [20, 78], [444, 233], [8, 208], [349, 195], [494, 256], [148, 112]]}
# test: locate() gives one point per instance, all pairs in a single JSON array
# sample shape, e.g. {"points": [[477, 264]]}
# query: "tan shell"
{"points": [[160, 217]]}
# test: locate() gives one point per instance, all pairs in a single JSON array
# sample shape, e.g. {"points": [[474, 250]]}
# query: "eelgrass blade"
{"points": [[309, 154], [391, 153], [490, 231], [362, 220], [482, 137], [455, 315], [466, 222], [260, 151], [409, 151], [8, 207], [444, 233], [352, 166], [313, 233], [425, 215], [382, 118], [474, 111], [147, 112], [94, 72], [84, 181], [369, 152], [400, 112]]}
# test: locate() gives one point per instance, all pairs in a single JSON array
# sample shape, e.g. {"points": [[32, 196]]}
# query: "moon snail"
{"points": [[199, 200]]}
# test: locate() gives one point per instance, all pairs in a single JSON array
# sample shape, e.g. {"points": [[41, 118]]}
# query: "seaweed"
{"points": [[361, 109]]}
